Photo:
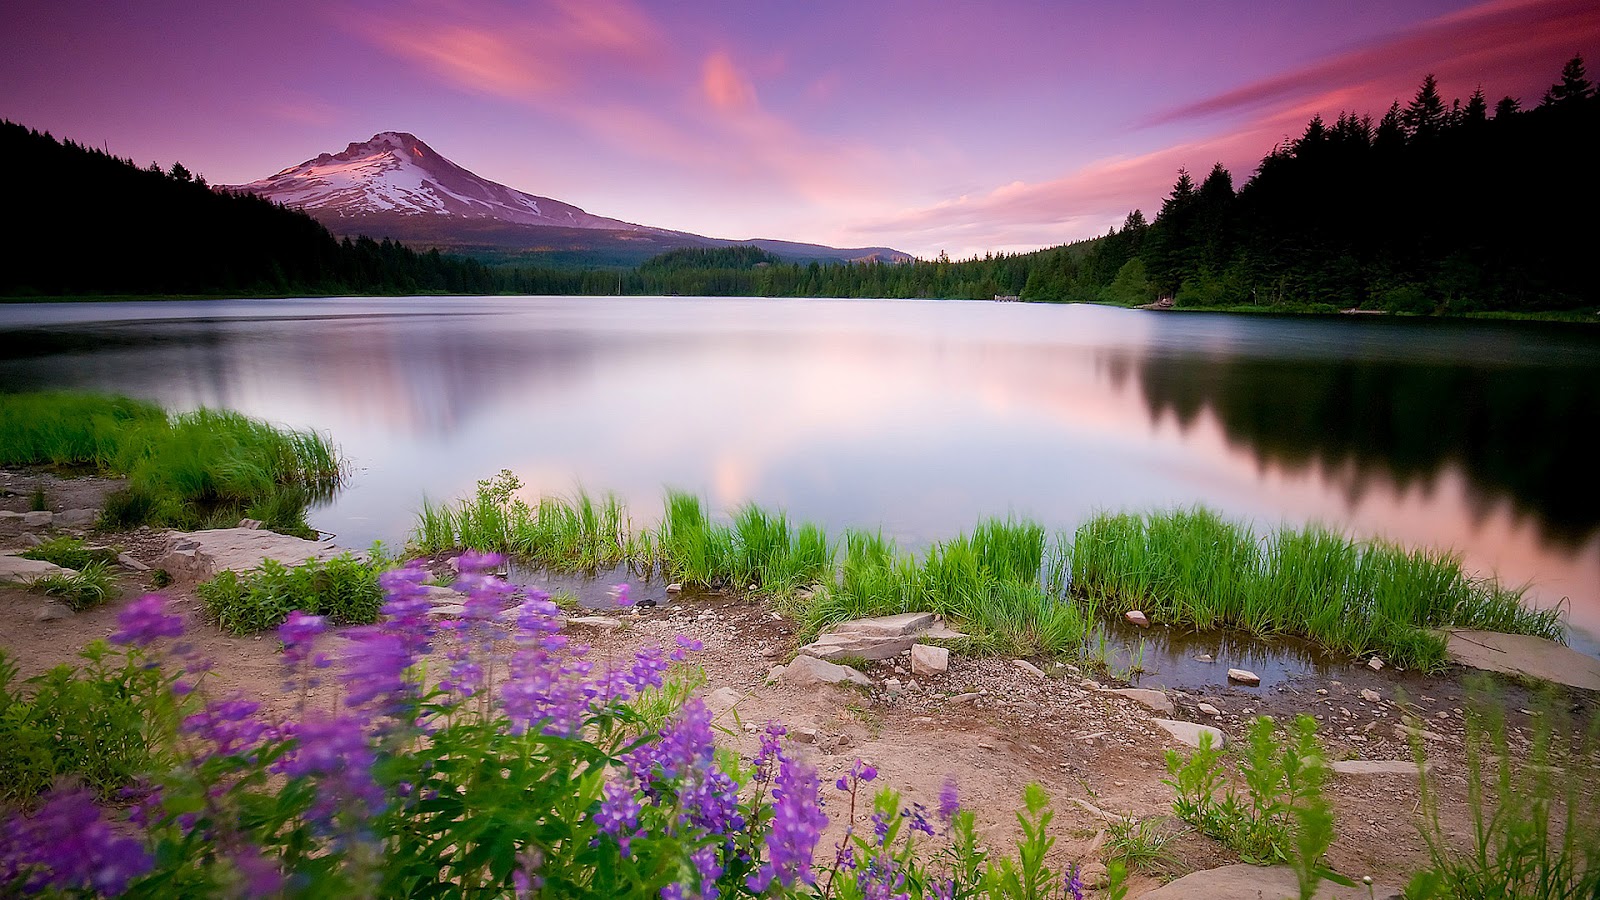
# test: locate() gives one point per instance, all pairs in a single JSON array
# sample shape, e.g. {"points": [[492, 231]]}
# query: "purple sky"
{"points": [[923, 126]]}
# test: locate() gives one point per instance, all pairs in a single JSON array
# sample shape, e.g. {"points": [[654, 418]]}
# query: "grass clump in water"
{"points": [[1193, 568], [577, 533], [186, 470], [988, 584]]}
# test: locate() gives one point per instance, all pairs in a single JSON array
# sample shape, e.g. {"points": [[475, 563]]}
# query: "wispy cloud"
{"points": [[1517, 43]]}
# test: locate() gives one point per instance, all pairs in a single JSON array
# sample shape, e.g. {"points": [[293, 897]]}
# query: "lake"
{"points": [[917, 416]]}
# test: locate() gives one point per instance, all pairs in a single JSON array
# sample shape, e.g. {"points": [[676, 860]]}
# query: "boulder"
{"points": [[834, 646], [52, 611], [1244, 676], [1246, 882], [888, 626], [1190, 732], [75, 518], [927, 659], [38, 518], [809, 670], [721, 700], [199, 555], [1525, 655], [23, 571], [1156, 700]]}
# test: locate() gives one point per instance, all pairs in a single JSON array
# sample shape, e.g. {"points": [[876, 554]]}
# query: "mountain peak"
{"points": [[396, 173]]}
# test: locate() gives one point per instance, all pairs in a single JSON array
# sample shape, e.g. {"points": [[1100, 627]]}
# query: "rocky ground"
{"points": [[995, 724]]}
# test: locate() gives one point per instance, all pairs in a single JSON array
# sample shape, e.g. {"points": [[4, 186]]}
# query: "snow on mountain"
{"points": [[396, 173]]}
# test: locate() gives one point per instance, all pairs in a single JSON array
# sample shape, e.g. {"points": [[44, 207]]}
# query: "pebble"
{"points": [[1210, 710], [1028, 667], [1375, 663], [1138, 618], [1244, 676], [1370, 695]]}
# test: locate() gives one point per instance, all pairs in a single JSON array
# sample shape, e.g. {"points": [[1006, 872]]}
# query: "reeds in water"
{"points": [[1192, 568]]}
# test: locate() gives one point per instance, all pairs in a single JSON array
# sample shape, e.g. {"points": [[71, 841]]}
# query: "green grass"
{"points": [[202, 468], [70, 553], [90, 586], [344, 589], [576, 533], [1190, 567]]}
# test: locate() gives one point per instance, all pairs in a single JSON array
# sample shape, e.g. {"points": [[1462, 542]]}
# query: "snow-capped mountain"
{"points": [[396, 186], [395, 172]]}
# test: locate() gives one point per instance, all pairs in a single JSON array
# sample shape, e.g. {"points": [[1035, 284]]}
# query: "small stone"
{"points": [[927, 659], [1028, 667], [1244, 676], [774, 673], [128, 562], [1369, 695], [1205, 657], [965, 698], [1322, 692], [1190, 732], [1155, 700], [1375, 663], [803, 735], [1378, 767], [252, 524], [1208, 709], [1138, 618], [721, 700], [674, 588], [604, 623], [52, 611]]}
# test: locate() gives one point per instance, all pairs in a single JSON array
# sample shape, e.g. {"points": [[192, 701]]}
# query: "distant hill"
{"points": [[396, 186]]}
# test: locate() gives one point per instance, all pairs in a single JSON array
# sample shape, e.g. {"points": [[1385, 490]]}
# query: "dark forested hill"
{"points": [[87, 222]]}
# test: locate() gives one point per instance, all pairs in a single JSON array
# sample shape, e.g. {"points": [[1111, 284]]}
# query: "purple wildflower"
{"points": [[375, 663], [918, 814], [1073, 882], [68, 846], [709, 868], [229, 726], [619, 592], [797, 823], [299, 635], [258, 875], [619, 814], [336, 752], [949, 800], [864, 771], [771, 750], [686, 645], [145, 621]]}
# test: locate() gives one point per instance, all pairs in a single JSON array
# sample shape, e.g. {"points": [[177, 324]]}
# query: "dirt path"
{"points": [[1092, 750]]}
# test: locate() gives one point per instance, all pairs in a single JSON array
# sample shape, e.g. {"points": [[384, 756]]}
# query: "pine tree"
{"points": [[1425, 117], [1573, 88]]}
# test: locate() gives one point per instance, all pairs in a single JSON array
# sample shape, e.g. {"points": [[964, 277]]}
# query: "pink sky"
{"points": [[923, 126]]}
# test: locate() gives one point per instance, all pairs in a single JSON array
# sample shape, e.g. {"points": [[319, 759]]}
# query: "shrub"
{"points": [[70, 553], [101, 722], [344, 589]]}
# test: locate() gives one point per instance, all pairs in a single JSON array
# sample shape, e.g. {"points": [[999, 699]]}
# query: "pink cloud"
{"points": [[1500, 40], [725, 86]]}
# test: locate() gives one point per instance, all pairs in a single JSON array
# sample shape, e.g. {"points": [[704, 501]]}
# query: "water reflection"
{"points": [[920, 417]]}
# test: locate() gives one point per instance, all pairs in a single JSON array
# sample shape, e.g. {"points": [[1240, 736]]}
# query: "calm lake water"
{"points": [[920, 417]]}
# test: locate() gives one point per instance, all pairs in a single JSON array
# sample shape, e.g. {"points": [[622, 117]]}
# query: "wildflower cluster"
{"points": [[525, 766]]}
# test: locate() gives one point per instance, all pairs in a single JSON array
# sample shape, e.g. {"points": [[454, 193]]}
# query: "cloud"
{"points": [[1514, 40], [725, 86], [1519, 42], [523, 52]]}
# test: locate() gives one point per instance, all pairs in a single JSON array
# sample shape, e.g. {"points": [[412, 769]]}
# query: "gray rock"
{"points": [[927, 659], [1028, 667], [604, 623], [131, 564], [1370, 696], [38, 518], [1190, 732], [1137, 617], [675, 588], [722, 699], [971, 697], [809, 670], [441, 596], [1247, 882], [1525, 655], [448, 610], [23, 571], [75, 518], [29, 539], [199, 555], [1205, 657], [1407, 732], [252, 524], [1378, 767], [1156, 700], [52, 611], [1209, 710], [1244, 676], [888, 626], [1375, 663]]}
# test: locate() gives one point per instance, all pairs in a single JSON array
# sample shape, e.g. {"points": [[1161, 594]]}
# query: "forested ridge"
{"points": [[1430, 207], [87, 222]]}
